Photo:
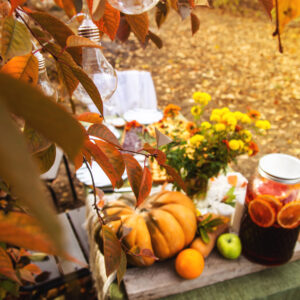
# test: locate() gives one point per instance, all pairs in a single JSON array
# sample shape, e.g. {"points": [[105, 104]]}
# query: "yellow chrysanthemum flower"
{"points": [[196, 110], [201, 98], [216, 111], [224, 110], [229, 119], [242, 144], [196, 139], [215, 118], [245, 119], [263, 124], [238, 115], [220, 127], [247, 135], [205, 125], [234, 145]]}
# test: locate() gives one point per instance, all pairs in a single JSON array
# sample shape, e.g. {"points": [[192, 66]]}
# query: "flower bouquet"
{"points": [[201, 150]]}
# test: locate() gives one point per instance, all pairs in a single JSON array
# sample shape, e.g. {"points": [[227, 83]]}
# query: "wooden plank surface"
{"points": [[71, 246], [161, 279], [77, 219]]}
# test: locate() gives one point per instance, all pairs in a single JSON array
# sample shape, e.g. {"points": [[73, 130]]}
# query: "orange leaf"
{"points": [[68, 6], [6, 266], [26, 275], [232, 180], [123, 30], [159, 155], [268, 6], [288, 10], [139, 25], [103, 161], [134, 173], [172, 172], [112, 250], [24, 231], [195, 23], [102, 132], [78, 161], [146, 185], [109, 23], [15, 3], [23, 67], [114, 157], [80, 41], [33, 269], [90, 117]]}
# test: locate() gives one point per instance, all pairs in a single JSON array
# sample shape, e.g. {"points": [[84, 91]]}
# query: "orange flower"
{"points": [[253, 114], [191, 127], [253, 148], [132, 124], [171, 110]]}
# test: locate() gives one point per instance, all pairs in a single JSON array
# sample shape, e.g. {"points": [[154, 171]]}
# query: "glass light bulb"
{"points": [[133, 7], [43, 80], [97, 68]]}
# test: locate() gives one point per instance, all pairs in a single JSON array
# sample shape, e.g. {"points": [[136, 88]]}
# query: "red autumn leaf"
{"points": [[148, 253], [15, 3], [122, 267], [6, 266], [24, 231], [268, 6], [155, 39], [68, 6], [195, 23], [173, 173], [110, 20], [139, 25], [134, 173], [78, 161], [145, 187], [102, 161], [102, 132], [123, 30], [112, 250], [114, 157], [159, 155], [90, 117]]}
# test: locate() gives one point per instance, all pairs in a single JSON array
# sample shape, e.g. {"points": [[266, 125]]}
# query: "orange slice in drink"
{"points": [[273, 201], [289, 215], [262, 213]]}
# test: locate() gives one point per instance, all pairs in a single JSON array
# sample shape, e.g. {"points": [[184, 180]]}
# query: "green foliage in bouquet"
{"points": [[200, 150]]}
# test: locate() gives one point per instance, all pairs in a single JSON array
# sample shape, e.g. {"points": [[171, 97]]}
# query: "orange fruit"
{"points": [[261, 212], [289, 215], [189, 263], [272, 200]]}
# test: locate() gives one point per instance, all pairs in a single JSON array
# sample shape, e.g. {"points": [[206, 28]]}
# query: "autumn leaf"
{"points": [[90, 117], [102, 161], [134, 173], [98, 8], [162, 10], [80, 41], [111, 249], [123, 30], [6, 267], [59, 31], [139, 24], [24, 231], [155, 39], [195, 23], [172, 172], [68, 6], [45, 159], [15, 39], [288, 10], [122, 267], [15, 3], [158, 154], [115, 158], [23, 67], [145, 187], [110, 20], [268, 6], [102, 132]]}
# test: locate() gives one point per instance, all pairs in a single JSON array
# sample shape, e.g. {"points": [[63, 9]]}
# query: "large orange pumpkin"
{"points": [[165, 223]]}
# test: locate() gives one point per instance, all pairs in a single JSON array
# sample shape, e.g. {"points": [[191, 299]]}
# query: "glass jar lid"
{"points": [[280, 167]]}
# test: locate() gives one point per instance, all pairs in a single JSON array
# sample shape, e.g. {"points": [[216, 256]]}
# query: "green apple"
{"points": [[229, 245]]}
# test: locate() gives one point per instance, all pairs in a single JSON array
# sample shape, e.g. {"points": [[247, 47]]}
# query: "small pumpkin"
{"points": [[164, 223]]}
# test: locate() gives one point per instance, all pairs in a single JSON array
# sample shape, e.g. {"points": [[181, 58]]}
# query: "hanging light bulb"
{"points": [[97, 67], [133, 7], [43, 80]]}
